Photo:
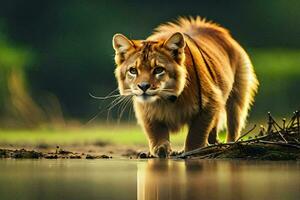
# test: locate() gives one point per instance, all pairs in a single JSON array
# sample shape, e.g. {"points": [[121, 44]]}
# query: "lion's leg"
{"points": [[237, 109], [158, 138], [199, 130], [240, 99], [213, 136], [234, 120]]}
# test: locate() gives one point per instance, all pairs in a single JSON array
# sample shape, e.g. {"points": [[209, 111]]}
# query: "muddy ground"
{"points": [[72, 152], [240, 151]]}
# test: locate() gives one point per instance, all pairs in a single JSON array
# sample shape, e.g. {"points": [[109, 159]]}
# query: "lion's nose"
{"points": [[144, 86]]}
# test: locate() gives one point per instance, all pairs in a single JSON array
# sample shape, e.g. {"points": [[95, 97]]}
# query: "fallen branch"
{"points": [[287, 135]]}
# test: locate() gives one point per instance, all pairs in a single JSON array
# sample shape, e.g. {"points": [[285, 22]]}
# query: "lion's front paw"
{"points": [[176, 153], [161, 150]]}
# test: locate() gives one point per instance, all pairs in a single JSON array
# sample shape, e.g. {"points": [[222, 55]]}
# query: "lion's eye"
{"points": [[158, 70], [132, 70]]}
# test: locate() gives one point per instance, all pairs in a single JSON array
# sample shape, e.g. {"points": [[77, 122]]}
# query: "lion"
{"points": [[188, 72]]}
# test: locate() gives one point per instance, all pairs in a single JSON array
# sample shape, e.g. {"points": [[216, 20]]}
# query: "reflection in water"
{"points": [[67, 179], [159, 180], [167, 179], [148, 179]]}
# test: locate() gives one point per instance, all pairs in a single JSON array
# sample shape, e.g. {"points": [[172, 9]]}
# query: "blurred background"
{"points": [[54, 53]]}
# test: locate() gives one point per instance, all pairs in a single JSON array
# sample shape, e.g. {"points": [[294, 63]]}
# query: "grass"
{"points": [[114, 135], [117, 135]]}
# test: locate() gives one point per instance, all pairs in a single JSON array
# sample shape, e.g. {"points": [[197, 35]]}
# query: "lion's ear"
{"points": [[122, 45], [175, 44]]}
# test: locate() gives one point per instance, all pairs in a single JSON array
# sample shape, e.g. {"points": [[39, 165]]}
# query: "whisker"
{"points": [[127, 101], [130, 111], [93, 118], [121, 100], [121, 105], [166, 90], [107, 96], [113, 91], [115, 101], [114, 104], [104, 98], [100, 112]]}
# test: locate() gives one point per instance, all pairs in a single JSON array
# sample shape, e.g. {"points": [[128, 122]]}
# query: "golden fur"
{"points": [[189, 72]]}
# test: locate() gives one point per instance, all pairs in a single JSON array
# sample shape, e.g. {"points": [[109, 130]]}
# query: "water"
{"points": [[148, 179]]}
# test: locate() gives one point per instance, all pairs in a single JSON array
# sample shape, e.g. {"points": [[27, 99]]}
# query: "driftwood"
{"points": [[277, 142]]}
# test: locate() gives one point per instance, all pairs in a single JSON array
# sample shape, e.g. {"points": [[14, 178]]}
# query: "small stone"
{"points": [[142, 155], [75, 157], [51, 156], [88, 156], [105, 156]]}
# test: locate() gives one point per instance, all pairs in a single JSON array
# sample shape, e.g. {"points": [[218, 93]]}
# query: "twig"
{"points": [[282, 137], [291, 122], [246, 133], [213, 155], [298, 123], [202, 150], [280, 143]]}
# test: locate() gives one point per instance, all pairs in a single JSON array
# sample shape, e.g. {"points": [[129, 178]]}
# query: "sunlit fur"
{"points": [[227, 82]]}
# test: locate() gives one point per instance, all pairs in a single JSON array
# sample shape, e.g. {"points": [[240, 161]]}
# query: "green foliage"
{"points": [[12, 57], [74, 57], [13, 61], [278, 72]]}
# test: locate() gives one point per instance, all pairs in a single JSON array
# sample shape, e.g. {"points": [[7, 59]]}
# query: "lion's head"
{"points": [[150, 70]]}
